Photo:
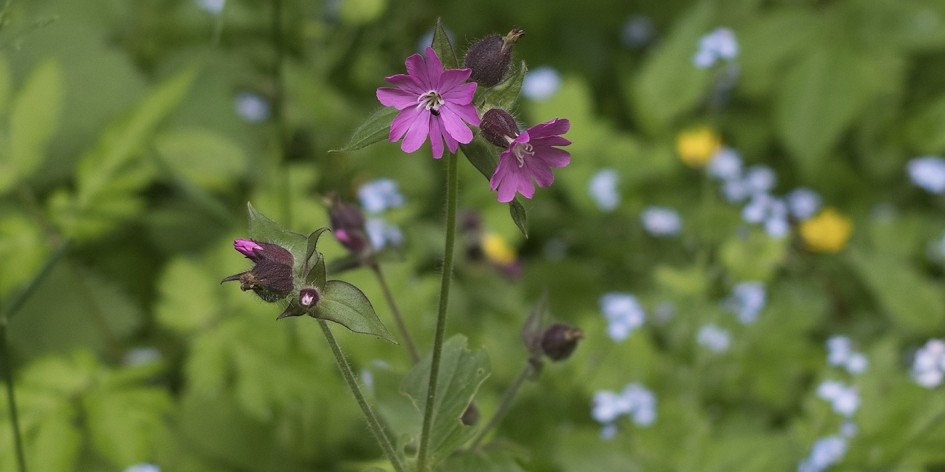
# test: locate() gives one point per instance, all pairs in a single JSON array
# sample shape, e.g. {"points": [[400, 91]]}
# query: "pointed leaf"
{"points": [[373, 130], [443, 46], [911, 300], [519, 217], [462, 372], [311, 246], [317, 276], [34, 118], [347, 305]]}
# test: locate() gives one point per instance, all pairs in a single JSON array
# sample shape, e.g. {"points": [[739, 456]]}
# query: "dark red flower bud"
{"points": [[489, 58], [498, 127], [560, 340], [271, 277], [347, 225]]}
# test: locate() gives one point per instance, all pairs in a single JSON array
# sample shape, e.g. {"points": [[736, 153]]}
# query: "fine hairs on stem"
{"points": [[452, 182]]}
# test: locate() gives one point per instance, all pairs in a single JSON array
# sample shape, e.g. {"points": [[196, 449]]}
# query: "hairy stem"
{"points": [[452, 182], [504, 404], [373, 423], [398, 319]]}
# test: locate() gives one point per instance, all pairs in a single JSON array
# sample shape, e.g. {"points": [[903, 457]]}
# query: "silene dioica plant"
{"points": [[454, 109]]}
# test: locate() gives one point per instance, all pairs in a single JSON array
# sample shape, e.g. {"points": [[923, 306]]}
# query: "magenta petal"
{"points": [[540, 171], [397, 98], [550, 141], [554, 127], [434, 68], [417, 133], [453, 125], [407, 84], [436, 138], [453, 84], [246, 247], [451, 143], [467, 113], [416, 68], [554, 157], [402, 122]]}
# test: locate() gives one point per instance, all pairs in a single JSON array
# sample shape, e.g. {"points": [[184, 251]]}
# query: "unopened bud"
{"points": [[347, 225], [471, 415], [560, 340], [271, 277], [489, 58], [309, 297], [498, 127]]}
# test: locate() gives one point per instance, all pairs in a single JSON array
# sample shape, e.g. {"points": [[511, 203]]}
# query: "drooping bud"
{"points": [[560, 340], [471, 415], [489, 58], [271, 277], [347, 225], [499, 127]]}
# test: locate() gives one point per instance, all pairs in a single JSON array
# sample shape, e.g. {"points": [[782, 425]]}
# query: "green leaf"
{"points": [[347, 305], [462, 372], [753, 257], [6, 84], [57, 442], [202, 157], [820, 98], [316, 276], [491, 459], [124, 424], [505, 94], [443, 46], [668, 84], [519, 217], [34, 118], [374, 129], [310, 250], [912, 301]]}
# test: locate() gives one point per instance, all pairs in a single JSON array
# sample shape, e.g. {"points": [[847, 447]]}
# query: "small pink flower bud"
{"points": [[271, 277], [347, 225], [246, 247]]}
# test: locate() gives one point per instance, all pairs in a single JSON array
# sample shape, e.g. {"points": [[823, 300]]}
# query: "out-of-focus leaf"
{"points": [[820, 97], [188, 297], [753, 257], [6, 84], [462, 371], [125, 423], [108, 177], [360, 12], [203, 157], [487, 460], [911, 301], [347, 305], [56, 444], [374, 129], [668, 83], [34, 118]]}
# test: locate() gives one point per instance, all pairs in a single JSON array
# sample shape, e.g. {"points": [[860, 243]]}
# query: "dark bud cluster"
{"points": [[489, 58]]}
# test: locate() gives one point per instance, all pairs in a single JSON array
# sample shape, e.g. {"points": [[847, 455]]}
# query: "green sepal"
{"points": [[347, 305], [310, 250], [316, 276], [505, 94]]}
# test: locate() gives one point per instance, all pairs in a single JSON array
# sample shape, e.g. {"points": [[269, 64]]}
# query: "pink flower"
{"points": [[246, 247], [529, 154], [432, 102]]}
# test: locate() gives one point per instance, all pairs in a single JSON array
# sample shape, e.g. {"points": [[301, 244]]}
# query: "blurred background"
{"points": [[750, 233]]}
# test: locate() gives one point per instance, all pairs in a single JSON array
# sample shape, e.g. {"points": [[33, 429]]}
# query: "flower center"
{"points": [[520, 150], [431, 101]]}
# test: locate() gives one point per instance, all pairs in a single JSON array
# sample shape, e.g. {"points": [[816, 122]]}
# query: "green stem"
{"points": [[373, 423], [452, 182], [5, 358], [504, 404], [399, 320]]}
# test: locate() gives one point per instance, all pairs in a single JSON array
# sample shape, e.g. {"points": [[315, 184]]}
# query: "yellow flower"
{"points": [[697, 146], [829, 231], [497, 250]]}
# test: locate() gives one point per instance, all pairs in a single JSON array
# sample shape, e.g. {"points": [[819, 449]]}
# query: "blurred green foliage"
{"points": [[119, 130]]}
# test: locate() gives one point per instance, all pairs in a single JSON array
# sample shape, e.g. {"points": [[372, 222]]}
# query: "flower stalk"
{"points": [[398, 319], [504, 404], [373, 423], [452, 182]]}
